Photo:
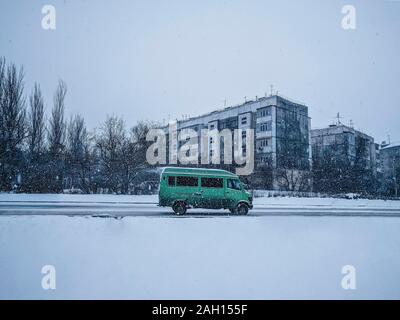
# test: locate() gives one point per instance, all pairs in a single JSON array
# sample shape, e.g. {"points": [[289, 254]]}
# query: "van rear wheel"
{"points": [[179, 208]]}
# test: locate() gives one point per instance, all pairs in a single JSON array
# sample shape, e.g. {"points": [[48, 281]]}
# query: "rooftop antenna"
{"points": [[272, 89], [338, 117], [225, 103], [351, 123], [245, 98], [389, 138]]}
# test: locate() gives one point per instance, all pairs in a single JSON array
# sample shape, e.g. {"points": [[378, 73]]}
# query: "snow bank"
{"points": [[332, 202], [78, 198]]}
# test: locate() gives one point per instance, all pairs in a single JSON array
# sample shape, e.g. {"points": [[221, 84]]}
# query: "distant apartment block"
{"points": [[343, 158], [390, 166], [282, 149]]}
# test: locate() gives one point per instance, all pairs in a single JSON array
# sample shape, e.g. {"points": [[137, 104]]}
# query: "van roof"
{"points": [[198, 171]]}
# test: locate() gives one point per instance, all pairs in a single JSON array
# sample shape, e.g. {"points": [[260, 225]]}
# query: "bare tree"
{"points": [[34, 168], [79, 154], [57, 126], [263, 176], [293, 179], [36, 124], [110, 144], [12, 123], [56, 139], [134, 153], [2, 90]]}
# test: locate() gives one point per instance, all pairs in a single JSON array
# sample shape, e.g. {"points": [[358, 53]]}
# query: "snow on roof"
{"points": [[392, 145]]}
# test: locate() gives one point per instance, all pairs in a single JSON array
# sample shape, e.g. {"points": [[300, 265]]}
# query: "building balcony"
{"points": [[264, 119], [266, 149], [264, 134]]}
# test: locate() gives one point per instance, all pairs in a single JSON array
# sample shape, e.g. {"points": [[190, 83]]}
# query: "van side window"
{"points": [[233, 184], [211, 182], [171, 181], [187, 181]]}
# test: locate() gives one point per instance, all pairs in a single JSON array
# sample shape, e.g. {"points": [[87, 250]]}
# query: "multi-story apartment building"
{"points": [[344, 159], [390, 166], [282, 150]]}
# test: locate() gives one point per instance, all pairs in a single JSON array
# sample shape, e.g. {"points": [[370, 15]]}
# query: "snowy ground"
{"points": [[201, 256]]}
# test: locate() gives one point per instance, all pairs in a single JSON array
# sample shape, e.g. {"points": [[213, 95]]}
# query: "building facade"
{"points": [[282, 150], [344, 159], [390, 167]]}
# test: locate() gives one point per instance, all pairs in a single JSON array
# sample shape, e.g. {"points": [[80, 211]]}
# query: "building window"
{"points": [[263, 143], [267, 126], [244, 120], [264, 112]]}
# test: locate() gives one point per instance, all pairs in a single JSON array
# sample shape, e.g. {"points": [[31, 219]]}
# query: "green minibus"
{"points": [[183, 188]]}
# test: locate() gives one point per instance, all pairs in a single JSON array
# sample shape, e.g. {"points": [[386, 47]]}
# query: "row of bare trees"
{"points": [[47, 153]]}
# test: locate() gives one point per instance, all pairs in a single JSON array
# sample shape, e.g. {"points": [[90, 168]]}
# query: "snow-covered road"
{"points": [[205, 255], [120, 206], [191, 258], [133, 209]]}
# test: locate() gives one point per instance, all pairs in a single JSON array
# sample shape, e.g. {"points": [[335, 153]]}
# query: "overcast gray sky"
{"points": [[161, 59]]}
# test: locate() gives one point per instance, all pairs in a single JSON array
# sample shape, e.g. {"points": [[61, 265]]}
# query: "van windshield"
{"points": [[233, 184]]}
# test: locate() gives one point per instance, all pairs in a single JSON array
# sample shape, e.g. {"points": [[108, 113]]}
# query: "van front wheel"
{"points": [[242, 209], [179, 208]]}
